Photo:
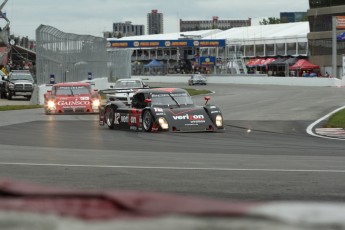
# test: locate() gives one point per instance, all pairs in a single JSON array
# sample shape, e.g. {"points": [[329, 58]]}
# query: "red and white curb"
{"points": [[328, 133], [331, 132]]}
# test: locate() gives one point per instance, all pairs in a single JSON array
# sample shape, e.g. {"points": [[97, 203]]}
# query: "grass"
{"points": [[19, 107], [194, 92], [337, 120]]}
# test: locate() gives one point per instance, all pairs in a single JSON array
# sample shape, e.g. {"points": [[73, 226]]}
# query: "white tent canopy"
{"points": [[263, 34]]}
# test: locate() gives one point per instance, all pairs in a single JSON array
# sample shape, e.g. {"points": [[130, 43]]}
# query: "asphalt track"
{"points": [[264, 153]]}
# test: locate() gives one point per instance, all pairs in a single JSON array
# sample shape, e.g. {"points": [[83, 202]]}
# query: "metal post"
{"points": [[334, 46]]}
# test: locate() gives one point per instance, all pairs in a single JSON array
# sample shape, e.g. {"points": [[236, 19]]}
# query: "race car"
{"points": [[71, 97], [161, 109], [197, 79], [124, 89]]}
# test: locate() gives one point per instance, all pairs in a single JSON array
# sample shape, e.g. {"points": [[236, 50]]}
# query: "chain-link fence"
{"points": [[71, 57]]}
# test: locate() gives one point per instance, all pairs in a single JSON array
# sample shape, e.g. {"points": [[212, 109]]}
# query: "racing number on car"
{"points": [[117, 118]]}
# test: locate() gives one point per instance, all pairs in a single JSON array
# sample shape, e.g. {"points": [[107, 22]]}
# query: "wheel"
{"points": [[110, 117], [147, 121], [9, 96]]}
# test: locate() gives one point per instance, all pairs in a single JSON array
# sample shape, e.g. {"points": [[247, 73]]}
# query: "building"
{"points": [[234, 46], [126, 29], [215, 23], [320, 37], [293, 16], [155, 22]]}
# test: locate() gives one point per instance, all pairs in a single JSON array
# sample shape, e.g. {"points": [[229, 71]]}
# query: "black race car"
{"points": [[161, 109]]}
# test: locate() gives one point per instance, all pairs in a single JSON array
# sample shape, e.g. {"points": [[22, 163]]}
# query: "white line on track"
{"points": [[311, 126], [175, 168]]}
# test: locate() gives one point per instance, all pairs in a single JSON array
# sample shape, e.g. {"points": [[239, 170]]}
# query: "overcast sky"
{"points": [[93, 17]]}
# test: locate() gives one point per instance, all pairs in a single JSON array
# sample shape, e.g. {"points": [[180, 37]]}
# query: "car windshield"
{"points": [[168, 99], [198, 77], [71, 90], [16, 77], [128, 84]]}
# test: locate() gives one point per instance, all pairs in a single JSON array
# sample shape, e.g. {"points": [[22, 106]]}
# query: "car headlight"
{"points": [[163, 123], [11, 86], [219, 120], [51, 105], [96, 103]]}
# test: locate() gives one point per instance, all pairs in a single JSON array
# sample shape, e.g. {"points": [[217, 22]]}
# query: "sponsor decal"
{"points": [[133, 120], [124, 119], [215, 111], [190, 117], [73, 103], [158, 110], [133, 128]]}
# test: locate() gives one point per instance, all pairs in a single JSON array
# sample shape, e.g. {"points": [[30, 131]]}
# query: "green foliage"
{"points": [[119, 35], [194, 92], [270, 20], [19, 107], [337, 120]]}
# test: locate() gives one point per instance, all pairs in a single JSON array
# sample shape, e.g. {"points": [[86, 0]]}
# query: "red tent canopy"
{"points": [[267, 61], [303, 64], [255, 62], [250, 62]]}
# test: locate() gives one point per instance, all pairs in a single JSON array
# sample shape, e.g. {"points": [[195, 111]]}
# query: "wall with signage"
{"points": [[166, 43]]}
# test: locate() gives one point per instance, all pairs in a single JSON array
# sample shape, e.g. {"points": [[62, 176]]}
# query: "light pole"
{"points": [[65, 75], [334, 46]]}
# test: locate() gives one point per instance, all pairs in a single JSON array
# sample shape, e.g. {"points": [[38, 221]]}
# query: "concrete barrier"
{"points": [[102, 83], [251, 79]]}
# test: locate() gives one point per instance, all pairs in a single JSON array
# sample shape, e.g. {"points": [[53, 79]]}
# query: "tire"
{"points": [[110, 117], [9, 96], [147, 121]]}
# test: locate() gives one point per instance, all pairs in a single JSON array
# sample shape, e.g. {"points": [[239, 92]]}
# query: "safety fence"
{"points": [[70, 57]]}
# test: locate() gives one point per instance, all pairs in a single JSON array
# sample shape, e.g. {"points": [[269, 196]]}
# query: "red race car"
{"points": [[71, 97]]}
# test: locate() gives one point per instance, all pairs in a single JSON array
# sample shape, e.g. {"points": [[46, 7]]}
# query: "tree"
{"points": [[270, 20], [119, 35]]}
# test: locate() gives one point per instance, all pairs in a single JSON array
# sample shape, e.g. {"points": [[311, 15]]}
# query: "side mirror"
{"points": [[207, 98]]}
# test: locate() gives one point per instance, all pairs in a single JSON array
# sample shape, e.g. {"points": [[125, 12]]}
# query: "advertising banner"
{"points": [[166, 43], [340, 22], [207, 61]]}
